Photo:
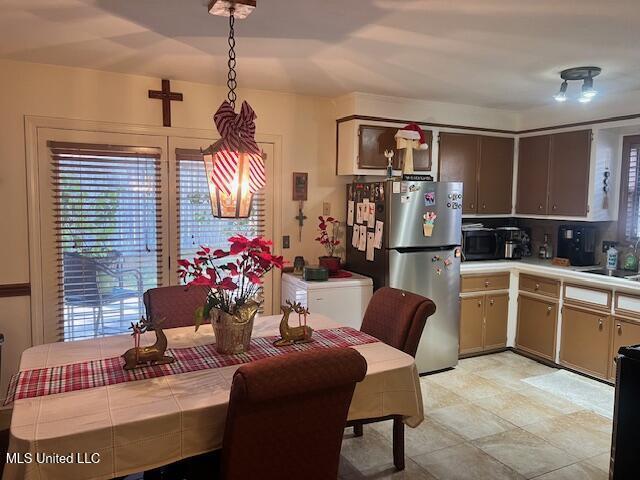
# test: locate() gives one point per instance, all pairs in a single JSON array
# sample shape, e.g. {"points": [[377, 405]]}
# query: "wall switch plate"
{"points": [[326, 208], [285, 241], [606, 244]]}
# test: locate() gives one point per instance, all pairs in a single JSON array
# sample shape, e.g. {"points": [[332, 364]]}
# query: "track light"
{"points": [[561, 96], [586, 74]]}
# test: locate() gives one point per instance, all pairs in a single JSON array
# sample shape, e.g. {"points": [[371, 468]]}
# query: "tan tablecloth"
{"points": [[137, 426]]}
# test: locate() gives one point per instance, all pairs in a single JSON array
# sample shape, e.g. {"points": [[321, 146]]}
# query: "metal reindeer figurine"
{"points": [[144, 356], [290, 335]]}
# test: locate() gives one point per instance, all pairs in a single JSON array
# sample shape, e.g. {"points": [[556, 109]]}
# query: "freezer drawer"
{"points": [[424, 272], [344, 305]]}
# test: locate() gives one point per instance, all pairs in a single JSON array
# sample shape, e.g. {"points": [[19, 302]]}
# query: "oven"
{"points": [[481, 244]]}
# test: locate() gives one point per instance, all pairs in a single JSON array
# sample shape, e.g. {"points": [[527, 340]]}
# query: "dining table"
{"points": [[115, 430]]}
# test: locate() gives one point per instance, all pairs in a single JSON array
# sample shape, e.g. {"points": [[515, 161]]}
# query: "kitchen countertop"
{"points": [[537, 266]]}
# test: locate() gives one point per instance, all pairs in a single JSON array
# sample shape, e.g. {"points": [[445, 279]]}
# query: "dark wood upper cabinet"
{"points": [[495, 175], [459, 156], [375, 139], [569, 173], [533, 175]]}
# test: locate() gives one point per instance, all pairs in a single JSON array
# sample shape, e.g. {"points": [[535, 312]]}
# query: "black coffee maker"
{"points": [[578, 244]]}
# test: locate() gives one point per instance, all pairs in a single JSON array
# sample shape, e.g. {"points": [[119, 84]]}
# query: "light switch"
{"points": [[326, 208], [285, 241]]}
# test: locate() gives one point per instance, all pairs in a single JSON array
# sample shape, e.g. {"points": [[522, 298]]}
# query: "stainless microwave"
{"points": [[481, 244]]}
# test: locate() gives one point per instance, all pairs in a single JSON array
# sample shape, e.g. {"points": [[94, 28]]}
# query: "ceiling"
{"points": [[492, 53]]}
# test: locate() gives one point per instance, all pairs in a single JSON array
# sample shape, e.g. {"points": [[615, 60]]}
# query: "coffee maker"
{"points": [[578, 244], [512, 242]]}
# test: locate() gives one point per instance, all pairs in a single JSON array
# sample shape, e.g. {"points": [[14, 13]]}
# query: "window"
{"points": [[629, 215], [107, 215]]}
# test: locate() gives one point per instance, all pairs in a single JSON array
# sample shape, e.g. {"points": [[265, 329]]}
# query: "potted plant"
{"points": [[329, 230], [234, 278]]}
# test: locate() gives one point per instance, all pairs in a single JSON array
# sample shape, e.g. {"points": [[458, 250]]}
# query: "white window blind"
{"points": [[107, 222], [196, 226]]}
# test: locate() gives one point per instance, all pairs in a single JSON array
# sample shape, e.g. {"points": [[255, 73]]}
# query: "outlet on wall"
{"points": [[326, 208]]}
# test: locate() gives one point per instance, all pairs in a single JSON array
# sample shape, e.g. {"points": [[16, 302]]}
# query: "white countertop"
{"points": [[545, 268], [355, 280]]}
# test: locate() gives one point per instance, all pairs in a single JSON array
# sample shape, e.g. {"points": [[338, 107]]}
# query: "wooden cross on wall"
{"points": [[166, 95]]}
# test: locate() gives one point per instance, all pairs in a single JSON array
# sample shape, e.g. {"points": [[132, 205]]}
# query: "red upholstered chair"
{"points": [[176, 305], [287, 415], [397, 318]]}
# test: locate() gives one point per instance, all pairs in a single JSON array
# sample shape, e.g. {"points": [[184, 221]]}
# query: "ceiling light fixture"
{"points": [[584, 74], [234, 165]]}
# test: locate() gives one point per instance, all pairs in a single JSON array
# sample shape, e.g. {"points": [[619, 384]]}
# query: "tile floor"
{"points": [[482, 422]]}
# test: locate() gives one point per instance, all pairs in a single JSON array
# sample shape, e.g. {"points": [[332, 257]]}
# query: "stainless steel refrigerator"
{"points": [[414, 258]]}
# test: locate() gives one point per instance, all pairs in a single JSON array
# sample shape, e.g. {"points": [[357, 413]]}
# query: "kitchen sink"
{"points": [[626, 274]]}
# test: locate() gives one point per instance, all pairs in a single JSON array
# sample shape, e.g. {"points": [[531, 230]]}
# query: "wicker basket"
{"points": [[233, 332]]}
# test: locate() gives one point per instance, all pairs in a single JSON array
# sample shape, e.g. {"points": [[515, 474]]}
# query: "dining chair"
{"points": [[397, 318], [287, 415], [176, 304]]}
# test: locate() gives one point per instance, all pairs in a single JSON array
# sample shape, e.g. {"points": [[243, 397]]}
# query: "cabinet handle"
{"points": [[549, 308], [600, 324], [484, 205], [487, 283], [537, 286], [619, 328], [540, 207], [491, 302], [479, 303], [555, 207], [471, 206]]}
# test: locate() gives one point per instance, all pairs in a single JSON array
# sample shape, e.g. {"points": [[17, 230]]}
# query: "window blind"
{"points": [[196, 225], [107, 216], [630, 197]]}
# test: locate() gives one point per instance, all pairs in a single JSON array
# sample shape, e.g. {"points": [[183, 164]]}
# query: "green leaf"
{"points": [[198, 316]]}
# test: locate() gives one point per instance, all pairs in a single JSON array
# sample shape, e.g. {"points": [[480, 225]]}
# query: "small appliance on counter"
{"points": [[513, 242], [480, 243], [578, 244]]}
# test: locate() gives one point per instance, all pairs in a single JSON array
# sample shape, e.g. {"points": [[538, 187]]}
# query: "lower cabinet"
{"points": [[585, 341], [537, 323], [483, 322], [625, 333]]}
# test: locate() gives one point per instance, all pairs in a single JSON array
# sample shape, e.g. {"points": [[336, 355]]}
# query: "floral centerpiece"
{"points": [[329, 231], [234, 279]]}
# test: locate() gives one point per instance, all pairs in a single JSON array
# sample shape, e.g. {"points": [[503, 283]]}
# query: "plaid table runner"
{"points": [[109, 371]]}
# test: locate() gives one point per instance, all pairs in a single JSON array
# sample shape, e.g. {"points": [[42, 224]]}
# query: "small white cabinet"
{"points": [[343, 300]]}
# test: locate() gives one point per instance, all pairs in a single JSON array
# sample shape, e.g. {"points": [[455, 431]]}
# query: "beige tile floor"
{"points": [[483, 422]]}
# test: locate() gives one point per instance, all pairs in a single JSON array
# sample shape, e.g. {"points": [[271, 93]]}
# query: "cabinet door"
{"points": [[495, 175], [373, 141], [624, 334], [569, 173], [533, 171], [471, 320], [585, 341], [537, 320], [495, 324], [459, 156], [422, 158]]}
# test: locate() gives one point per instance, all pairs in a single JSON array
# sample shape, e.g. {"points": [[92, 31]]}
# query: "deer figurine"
{"points": [[152, 355], [290, 335]]}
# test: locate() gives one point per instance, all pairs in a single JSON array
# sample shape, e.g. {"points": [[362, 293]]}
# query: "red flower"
{"points": [[220, 253], [184, 263], [226, 284], [254, 278]]}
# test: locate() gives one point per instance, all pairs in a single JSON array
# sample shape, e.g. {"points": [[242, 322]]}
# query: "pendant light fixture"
{"points": [[234, 164], [584, 74]]}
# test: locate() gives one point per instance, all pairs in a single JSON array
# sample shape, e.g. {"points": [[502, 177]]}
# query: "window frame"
{"points": [[35, 145]]}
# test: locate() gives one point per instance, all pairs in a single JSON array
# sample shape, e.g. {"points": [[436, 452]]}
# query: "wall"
{"points": [[305, 124]]}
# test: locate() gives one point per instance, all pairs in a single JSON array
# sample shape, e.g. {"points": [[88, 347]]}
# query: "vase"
{"points": [[330, 263], [233, 331]]}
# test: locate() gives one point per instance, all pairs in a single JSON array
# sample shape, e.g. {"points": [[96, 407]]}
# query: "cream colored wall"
{"points": [[305, 124]]}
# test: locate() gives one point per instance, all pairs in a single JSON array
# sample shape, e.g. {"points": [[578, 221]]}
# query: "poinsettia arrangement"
{"points": [[234, 282], [329, 231]]}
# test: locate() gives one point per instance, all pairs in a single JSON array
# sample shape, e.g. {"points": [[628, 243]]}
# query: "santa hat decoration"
{"points": [[413, 132]]}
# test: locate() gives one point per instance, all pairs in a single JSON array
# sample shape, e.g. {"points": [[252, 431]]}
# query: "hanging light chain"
{"points": [[231, 76]]}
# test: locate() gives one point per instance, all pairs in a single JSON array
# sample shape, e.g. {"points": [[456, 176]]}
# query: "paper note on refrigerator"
{"points": [[362, 242], [371, 214], [377, 242], [355, 238], [370, 252], [350, 210], [359, 213]]}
